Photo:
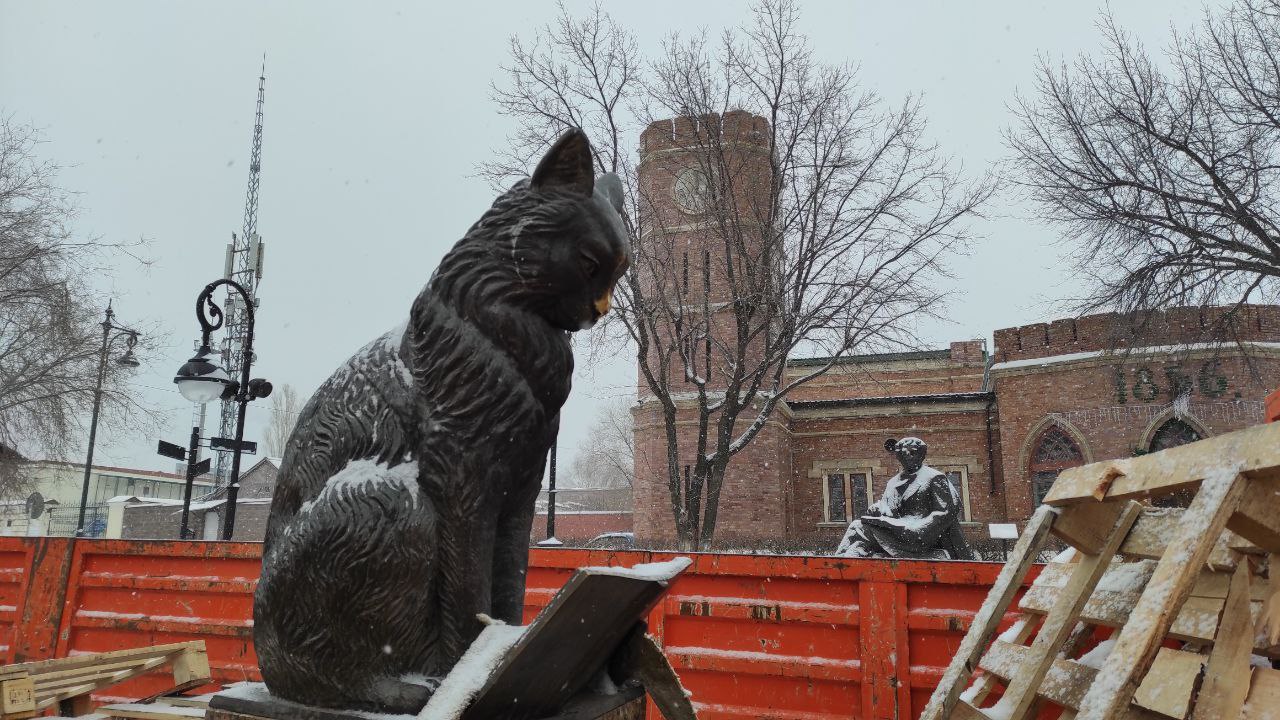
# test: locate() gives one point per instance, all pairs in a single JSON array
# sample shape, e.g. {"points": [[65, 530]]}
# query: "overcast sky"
{"points": [[376, 117]]}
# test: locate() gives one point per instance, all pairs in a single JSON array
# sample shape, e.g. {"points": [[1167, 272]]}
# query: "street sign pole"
{"points": [[184, 531]]}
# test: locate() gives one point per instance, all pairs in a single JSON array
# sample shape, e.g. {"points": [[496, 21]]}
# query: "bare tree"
{"points": [[606, 457], [828, 241], [1164, 173], [50, 336], [285, 406]]}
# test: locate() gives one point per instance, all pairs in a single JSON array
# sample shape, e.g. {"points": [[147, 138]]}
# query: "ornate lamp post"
{"points": [[200, 380], [127, 360]]}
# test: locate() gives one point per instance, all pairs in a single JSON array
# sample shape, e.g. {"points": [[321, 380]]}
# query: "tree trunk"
{"points": [[712, 511]]}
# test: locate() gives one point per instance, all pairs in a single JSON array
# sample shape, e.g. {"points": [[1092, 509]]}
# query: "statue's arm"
{"points": [[945, 510]]}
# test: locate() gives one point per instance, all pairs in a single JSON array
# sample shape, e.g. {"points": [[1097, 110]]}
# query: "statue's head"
{"points": [[910, 452], [558, 239]]}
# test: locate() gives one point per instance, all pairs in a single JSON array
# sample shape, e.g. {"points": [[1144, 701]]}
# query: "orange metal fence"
{"points": [[751, 636]]}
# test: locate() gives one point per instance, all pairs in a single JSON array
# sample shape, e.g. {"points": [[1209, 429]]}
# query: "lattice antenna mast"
{"points": [[244, 265]]}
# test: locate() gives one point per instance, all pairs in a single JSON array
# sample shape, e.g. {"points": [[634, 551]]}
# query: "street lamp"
{"points": [[126, 360], [200, 380]]}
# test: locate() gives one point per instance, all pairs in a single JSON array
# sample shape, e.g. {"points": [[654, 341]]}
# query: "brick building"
{"points": [[1001, 424]]}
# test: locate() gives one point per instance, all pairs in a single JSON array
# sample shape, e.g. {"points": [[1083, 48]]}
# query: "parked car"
{"points": [[612, 541]]}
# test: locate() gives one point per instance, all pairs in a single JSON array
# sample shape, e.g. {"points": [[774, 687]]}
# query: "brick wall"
{"points": [[1109, 330], [852, 438], [1110, 419], [158, 522], [162, 522], [579, 527], [956, 370]]}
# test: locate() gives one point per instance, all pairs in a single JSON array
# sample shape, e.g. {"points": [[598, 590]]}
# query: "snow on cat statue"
{"points": [[403, 505]]}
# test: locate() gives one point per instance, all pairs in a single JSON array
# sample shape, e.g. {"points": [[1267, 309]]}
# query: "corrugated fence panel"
{"points": [[800, 637], [126, 594], [15, 561], [751, 636]]}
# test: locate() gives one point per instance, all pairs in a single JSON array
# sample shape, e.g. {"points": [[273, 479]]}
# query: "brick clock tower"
{"points": [[704, 183]]}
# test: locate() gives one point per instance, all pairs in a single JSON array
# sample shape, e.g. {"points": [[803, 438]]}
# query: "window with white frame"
{"points": [[958, 476], [846, 494]]}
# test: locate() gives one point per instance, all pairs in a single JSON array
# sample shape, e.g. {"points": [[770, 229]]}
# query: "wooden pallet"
{"points": [[1190, 595], [27, 689]]}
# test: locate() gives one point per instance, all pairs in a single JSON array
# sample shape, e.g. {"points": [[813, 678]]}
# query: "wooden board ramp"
{"points": [[1190, 596], [28, 689]]}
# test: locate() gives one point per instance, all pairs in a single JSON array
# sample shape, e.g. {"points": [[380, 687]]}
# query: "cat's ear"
{"points": [[567, 165]]}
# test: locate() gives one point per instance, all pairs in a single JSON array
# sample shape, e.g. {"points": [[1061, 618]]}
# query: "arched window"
{"points": [[1055, 451], [1173, 433]]}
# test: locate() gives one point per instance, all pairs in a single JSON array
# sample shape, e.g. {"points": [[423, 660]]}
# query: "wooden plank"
{"points": [[1226, 679], [60, 693], [1268, 625], [1170, 682], [191, 666], [945, 696], [965, 711], [569, 641], [1088, 526], [17, 697], [1140, 637], [983, 684], [1209, 584], [1197, 619], [1258, 517], [1253, 451], [1151, 535], [200, 701], [640, 658], [1020, 695], [1064, 684], [142, 653], [1240, 545], [50, 678], [1264, 696], [150, 711]]}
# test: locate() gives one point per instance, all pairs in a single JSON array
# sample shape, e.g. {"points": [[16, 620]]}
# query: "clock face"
{"points": [[690, 190]]}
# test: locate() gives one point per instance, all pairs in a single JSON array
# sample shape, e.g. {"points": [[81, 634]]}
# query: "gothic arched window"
{"points": [[1173, 433], [1055, 451]]}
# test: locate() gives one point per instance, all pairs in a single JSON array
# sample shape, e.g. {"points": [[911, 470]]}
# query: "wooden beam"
{"points": [[639, 657], [1254, 452], [1258, 517], [1088, 526], [1264, 696], [1021, 693], [1170, 683], [943, 702], [1226, 679], [1268, 625], [1139, 639], [1151, 535], [1064, 684]]}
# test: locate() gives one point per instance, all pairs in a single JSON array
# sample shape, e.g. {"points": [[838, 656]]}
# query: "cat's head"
{"points": [[564, 245]]}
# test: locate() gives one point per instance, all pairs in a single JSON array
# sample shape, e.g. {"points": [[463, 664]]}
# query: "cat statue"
{"points": [[405, 498]]}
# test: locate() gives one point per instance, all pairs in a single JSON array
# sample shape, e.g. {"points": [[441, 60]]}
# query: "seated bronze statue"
{"points": [[917, 517], [402, 510]]}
